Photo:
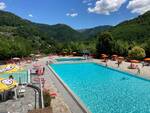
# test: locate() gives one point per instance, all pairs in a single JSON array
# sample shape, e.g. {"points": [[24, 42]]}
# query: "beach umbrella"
{"points": [[147, 59], [16, 58], [32, 55], [38, 55], [74, 52], [114, 57], [9, 68], [7, 84], [120, 58], [134, 61], [104, 56], [132, 66]]}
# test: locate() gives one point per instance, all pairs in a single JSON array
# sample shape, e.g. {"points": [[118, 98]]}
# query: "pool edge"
{"points": [[145, 78]]}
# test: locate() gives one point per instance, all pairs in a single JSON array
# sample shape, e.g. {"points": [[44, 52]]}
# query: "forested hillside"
{"points": [[92, 32], [137, 29], [127, 35], [20, 37]]}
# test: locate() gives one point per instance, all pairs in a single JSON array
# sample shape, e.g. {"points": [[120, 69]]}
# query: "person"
{"points": [[47, 63], [11, 77], [106, 62], [119, 62], [142, 64], [138, 69], [43, 70]]}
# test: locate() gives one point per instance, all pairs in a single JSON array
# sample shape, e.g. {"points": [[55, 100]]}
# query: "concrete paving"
{"points": [[21, 105]]}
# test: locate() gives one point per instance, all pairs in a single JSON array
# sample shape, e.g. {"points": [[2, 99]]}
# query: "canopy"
{"points": [[120, 57], [31, 54], [147, 59], [114, 56], [7, 84], [104, 55], [9, 68], [134, 61], [16, 58], [38, 55]]}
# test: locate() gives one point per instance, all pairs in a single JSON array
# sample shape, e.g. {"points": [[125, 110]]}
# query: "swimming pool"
{"points": [[105, 90], [69, 59], [20, 76]]}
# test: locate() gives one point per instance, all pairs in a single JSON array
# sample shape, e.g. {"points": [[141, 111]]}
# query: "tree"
{"points": [[136, 53], [146, 47], [105, 43], [120, 48]]}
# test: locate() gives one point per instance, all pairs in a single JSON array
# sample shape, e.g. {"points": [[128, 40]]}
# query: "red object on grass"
{"points": [[53, 94]]}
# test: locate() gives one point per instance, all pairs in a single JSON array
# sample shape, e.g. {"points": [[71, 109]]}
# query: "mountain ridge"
{"points": [[20, 37]]}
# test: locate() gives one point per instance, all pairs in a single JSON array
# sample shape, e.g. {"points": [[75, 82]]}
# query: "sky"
{"points": [[78, 14]]}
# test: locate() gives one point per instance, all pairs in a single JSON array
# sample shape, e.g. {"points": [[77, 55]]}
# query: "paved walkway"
{"points": [[21, 105]]}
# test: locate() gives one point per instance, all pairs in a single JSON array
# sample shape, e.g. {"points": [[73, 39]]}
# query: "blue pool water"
{"points": [[105, 90], [21, 76], [69, 59]]}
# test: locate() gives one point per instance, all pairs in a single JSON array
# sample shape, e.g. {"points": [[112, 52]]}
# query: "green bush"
{"points": [[136, 53], [47, 99]]}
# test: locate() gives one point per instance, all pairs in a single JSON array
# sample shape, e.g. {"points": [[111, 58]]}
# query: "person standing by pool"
{"points": [[138, 69], [119, 62], [43, 70], [106, 61]]}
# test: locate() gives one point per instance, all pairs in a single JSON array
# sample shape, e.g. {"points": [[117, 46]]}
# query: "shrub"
{"points": [[47, 99], [136, 53]]}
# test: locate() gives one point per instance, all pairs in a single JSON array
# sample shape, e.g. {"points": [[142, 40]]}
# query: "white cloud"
{"points": [[86, 1], [2, 5], [72, 14], [89, 4], [30, 15], [139, 6], [106, 6]]}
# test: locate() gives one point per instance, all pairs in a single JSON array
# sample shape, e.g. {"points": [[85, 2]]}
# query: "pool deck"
{"points": [[144, 71], [21, 105]]}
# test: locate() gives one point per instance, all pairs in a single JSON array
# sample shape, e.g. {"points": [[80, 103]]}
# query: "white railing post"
{"points": [[29, 76]]}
